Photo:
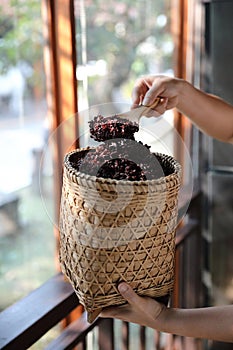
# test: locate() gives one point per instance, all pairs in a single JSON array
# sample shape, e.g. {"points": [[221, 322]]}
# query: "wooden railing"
{"points": [[26, 321]]}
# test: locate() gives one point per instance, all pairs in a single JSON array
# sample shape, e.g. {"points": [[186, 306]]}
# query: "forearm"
{"points": [[211, 114], [214, 323], [211, 323]]}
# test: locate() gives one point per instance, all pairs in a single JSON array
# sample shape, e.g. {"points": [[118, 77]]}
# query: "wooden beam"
{"points": [[106, 334], [73, 334], [60, 67], [23, 323]]}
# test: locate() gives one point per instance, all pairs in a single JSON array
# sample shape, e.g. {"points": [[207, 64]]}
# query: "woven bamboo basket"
{"points": [[117, 230]]}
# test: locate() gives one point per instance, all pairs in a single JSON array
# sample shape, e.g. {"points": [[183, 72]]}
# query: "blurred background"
{"points": [[116, 42]]}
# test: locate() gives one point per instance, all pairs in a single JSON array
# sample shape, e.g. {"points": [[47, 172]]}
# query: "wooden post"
{"points": [[106, 334], [60, 65]]}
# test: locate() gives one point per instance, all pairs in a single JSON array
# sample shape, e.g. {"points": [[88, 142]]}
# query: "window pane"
{"points": [[221, 222], [117, 41], [26, 234]]}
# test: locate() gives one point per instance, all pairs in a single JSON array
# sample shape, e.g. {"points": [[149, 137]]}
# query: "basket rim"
{"points": [[74, 172]]}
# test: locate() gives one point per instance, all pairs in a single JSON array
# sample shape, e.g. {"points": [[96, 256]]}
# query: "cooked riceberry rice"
{"points": [[105, 128]]}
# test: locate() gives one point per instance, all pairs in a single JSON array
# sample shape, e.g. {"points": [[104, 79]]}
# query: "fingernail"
{"points": [[122, 288]]}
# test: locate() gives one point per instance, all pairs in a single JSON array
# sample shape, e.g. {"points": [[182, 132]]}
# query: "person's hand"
{"points": [[148, 88], [141, 310], [208, 322]]}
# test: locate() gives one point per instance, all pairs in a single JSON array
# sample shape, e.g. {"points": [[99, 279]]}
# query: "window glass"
{"points": [[220, 226], [26, 234], [118, 41]]}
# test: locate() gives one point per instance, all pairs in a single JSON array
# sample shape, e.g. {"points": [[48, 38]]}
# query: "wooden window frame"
{"points": [[61, 82]]}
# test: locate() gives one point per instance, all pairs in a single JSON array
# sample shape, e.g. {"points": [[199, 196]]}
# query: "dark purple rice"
{"points": [[119, 160], [120, 157], [112, 127]]}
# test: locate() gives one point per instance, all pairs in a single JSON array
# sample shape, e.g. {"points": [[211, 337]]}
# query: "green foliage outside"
{"points": [[21, 39], [129, 35], [20, 32]]}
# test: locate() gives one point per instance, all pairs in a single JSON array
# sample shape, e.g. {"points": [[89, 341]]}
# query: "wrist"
{"points": [[161, 317], [185, 92], [182, 88]]}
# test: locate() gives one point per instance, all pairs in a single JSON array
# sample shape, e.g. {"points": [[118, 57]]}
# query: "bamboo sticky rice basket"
{"points": [[117, 230]]}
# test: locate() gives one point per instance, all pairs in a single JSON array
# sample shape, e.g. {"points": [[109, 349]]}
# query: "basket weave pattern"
{"points": [[101, 246]]}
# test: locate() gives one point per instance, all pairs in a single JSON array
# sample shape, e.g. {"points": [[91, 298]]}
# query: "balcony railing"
{"points": [[26, 321]]}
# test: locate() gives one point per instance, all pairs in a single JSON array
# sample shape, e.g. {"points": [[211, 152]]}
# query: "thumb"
{"points": [[136, 100], [128, 293]]}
